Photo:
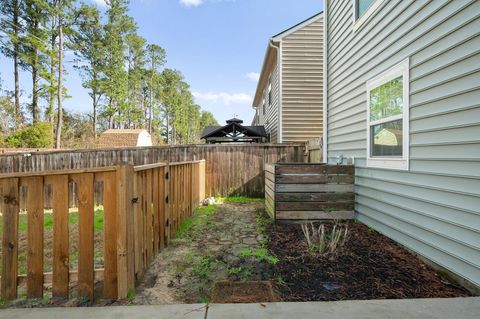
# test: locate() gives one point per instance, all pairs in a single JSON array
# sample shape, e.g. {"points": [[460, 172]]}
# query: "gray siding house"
{"points": [[403, 104], [289, 97]]}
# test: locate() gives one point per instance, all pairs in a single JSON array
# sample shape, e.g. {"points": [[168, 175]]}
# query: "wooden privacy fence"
{"points": [[142, 207], [297, 191], [230, 169], [313, 150]]}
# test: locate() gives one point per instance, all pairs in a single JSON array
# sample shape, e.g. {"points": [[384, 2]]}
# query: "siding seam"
{"points": [[419, 185], [423, 200], [446, 221]]}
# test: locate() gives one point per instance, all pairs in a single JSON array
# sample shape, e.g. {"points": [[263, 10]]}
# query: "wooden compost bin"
{"points": [[306, 191]]}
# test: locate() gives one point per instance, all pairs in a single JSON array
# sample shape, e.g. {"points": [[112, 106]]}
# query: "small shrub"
{"points": [[38, 135], [325, 241]]}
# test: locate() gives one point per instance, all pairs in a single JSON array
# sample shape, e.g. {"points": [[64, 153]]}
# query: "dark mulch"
{"points": [[371, 266]]}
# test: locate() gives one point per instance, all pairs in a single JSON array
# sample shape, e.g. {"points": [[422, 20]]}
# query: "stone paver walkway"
{"points": [[220, 246]]}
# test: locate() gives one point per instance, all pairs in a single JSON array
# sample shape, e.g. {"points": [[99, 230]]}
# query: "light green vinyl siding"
{"points": [[434, 207]]}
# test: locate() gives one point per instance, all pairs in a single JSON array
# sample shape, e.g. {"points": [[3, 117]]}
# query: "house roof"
{"points": [[271, 56], [234, 131], [296, 27], [119, 137]]}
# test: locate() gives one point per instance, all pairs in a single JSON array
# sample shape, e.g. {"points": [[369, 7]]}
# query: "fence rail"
{"points": [[309, 191], [142, 207], [230, 169]]}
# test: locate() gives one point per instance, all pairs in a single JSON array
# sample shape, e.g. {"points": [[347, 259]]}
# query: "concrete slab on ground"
{"points": [[458, 308], [180, 311]]}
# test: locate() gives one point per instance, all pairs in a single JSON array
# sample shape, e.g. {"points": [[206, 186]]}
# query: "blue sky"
{"points": [[218, 45]]}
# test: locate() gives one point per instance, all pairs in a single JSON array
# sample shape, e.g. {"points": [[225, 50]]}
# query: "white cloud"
{"points": [[254, 76], [101, 3], [224, 98], [191, 3]]}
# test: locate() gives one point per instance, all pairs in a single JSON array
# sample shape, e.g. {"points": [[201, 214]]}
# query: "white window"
{"points": [[263, 106], [387, 118], [362, 10]]}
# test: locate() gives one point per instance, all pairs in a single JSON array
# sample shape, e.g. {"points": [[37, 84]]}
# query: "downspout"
{"points": [[279, 64], [325, 81]]}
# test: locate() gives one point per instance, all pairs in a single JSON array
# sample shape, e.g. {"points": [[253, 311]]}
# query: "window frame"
{"points": [[358, 21], [400, 163]]}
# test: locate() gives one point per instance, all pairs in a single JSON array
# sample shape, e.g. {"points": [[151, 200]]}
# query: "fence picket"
{"points": [[85, 184], [60, 264], [110, 234], [35, 207]]}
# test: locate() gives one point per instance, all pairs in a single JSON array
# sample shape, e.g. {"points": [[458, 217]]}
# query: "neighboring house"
{"points": [[124, 138], [403, 104], [289, 99]]}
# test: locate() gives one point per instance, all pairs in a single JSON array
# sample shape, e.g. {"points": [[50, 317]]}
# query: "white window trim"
{"points": [[358, 22], [400, 163]]}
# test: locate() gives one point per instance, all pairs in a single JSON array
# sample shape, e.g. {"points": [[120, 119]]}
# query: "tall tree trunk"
{"points": [[168, 124], [35, 112], [150, 107], [95, 115], [51, 101], [60, 83], [16, 49]]}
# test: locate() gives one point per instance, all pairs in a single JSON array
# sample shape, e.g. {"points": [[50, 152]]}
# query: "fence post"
{"points": [[201, 180], [167, 199], [125, 230], [10, 211]]}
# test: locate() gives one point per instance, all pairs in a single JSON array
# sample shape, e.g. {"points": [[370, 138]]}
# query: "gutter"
{"points": [[325, 82], [278, 47]]}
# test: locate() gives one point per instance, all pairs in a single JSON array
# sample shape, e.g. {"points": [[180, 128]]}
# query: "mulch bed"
{"points": [[370, 266]]}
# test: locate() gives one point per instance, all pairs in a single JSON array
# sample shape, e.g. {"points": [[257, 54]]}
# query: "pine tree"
{"points": [[11, 26], [116, 87], [88, 45], [34, 44]]}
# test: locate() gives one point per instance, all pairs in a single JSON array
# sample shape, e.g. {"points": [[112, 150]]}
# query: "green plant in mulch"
{"points": [[280, 280]]}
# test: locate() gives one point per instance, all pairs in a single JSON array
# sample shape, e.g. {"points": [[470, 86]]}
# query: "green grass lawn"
{"points": [[73, 217], [48, 220]]}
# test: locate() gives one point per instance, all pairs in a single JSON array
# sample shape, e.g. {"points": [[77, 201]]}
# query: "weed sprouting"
{"points": [[131, 293], [235, 270], [200, 219]]}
